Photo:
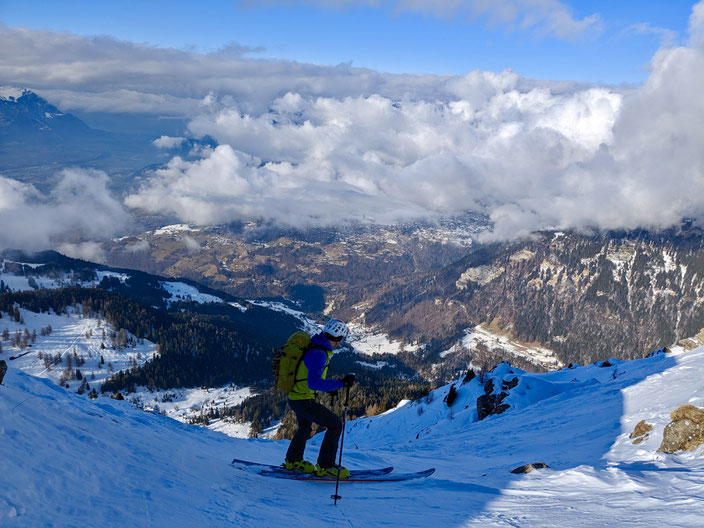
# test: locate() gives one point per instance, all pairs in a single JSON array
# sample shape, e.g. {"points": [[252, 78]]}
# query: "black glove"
{"points": [[348, 380]]}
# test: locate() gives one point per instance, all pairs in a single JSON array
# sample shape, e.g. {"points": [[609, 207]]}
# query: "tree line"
{"points": [[194, 349]]}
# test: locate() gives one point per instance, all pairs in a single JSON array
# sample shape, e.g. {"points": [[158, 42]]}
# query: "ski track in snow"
{"points": [[69, 461]]}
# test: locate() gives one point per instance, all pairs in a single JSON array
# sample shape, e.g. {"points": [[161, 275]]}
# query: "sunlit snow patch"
{"points": [[180, 291]]}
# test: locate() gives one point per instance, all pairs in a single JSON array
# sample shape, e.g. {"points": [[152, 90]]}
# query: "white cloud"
{"points": [[90, 251], [530, 156], [79, 206], [107, 75], [190, 243], [305, 145], [696, 26], [374, 159], [667, 37], [131, 101], [548, 17], [138, 247], [168, 142]]}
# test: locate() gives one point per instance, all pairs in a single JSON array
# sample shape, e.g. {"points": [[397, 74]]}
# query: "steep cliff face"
{"points": [[587, 298]]}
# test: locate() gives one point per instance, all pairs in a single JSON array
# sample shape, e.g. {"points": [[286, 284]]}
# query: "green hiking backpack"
{"points": [[287, 359]]}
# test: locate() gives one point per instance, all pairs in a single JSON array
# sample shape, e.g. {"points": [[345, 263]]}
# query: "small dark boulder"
{"points": [[469, 376], [508, 385], [451, 396]]}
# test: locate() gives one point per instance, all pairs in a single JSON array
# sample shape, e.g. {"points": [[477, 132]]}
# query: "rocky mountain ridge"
{"points": [[585, 297], [24, 116]]}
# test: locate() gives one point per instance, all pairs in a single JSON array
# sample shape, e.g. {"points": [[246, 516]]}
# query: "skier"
{"points": [[310, 377]]}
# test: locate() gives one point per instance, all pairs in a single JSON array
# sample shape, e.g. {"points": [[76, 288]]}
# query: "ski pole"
{"points": [[342, 443]]}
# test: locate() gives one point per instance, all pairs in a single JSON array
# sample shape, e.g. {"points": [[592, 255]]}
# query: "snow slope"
{"points": [[75, 336], [69, 461]]}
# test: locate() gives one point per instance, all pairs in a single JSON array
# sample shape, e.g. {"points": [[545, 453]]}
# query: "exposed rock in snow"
{"points": [[685, 432], [481, 274]]}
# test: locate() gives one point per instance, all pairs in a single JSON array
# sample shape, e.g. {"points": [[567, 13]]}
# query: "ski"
{"points": [[241, 464], [354, 477]]}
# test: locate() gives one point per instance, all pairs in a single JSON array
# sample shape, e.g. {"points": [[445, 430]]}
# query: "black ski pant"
{"points": [[309, 412]]}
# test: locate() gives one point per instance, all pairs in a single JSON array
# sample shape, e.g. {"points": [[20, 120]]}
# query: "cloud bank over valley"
{"points": [[308, 145]]}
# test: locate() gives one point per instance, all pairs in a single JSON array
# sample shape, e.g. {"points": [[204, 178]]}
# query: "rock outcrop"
{"points": [[530, 467], [641, 432], [685, 432], [490, 403]]}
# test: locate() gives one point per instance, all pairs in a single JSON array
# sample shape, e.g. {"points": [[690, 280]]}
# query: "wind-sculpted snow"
{"points": [[70, 461]]}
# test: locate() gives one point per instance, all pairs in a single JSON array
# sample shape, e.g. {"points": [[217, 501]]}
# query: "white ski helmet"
{"points": [[336, 328]]}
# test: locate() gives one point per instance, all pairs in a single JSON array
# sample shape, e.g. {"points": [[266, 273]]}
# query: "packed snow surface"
{"points": [[70, 461]]}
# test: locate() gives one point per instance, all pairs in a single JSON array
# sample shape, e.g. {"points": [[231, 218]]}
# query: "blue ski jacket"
{"points": [[316, 361]]}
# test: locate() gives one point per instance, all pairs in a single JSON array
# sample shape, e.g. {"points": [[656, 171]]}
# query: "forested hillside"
{"points": [[195, 349]]}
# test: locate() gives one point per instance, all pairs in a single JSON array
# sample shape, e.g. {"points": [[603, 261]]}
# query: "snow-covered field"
{"points": [[87, 343], [186, 292], [69, 461], [366, 341], [537, 355], [185, 404], [74, 342], [175, 229]]}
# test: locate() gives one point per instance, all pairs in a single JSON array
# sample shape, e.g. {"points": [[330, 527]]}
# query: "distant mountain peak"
{"points": [[27, 117]]}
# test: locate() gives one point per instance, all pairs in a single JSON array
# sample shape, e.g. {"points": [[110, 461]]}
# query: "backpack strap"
{"points": [[298, 364]]}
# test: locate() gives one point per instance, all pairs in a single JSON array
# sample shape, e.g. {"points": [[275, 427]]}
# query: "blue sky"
{"points": [[387, 36]]}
